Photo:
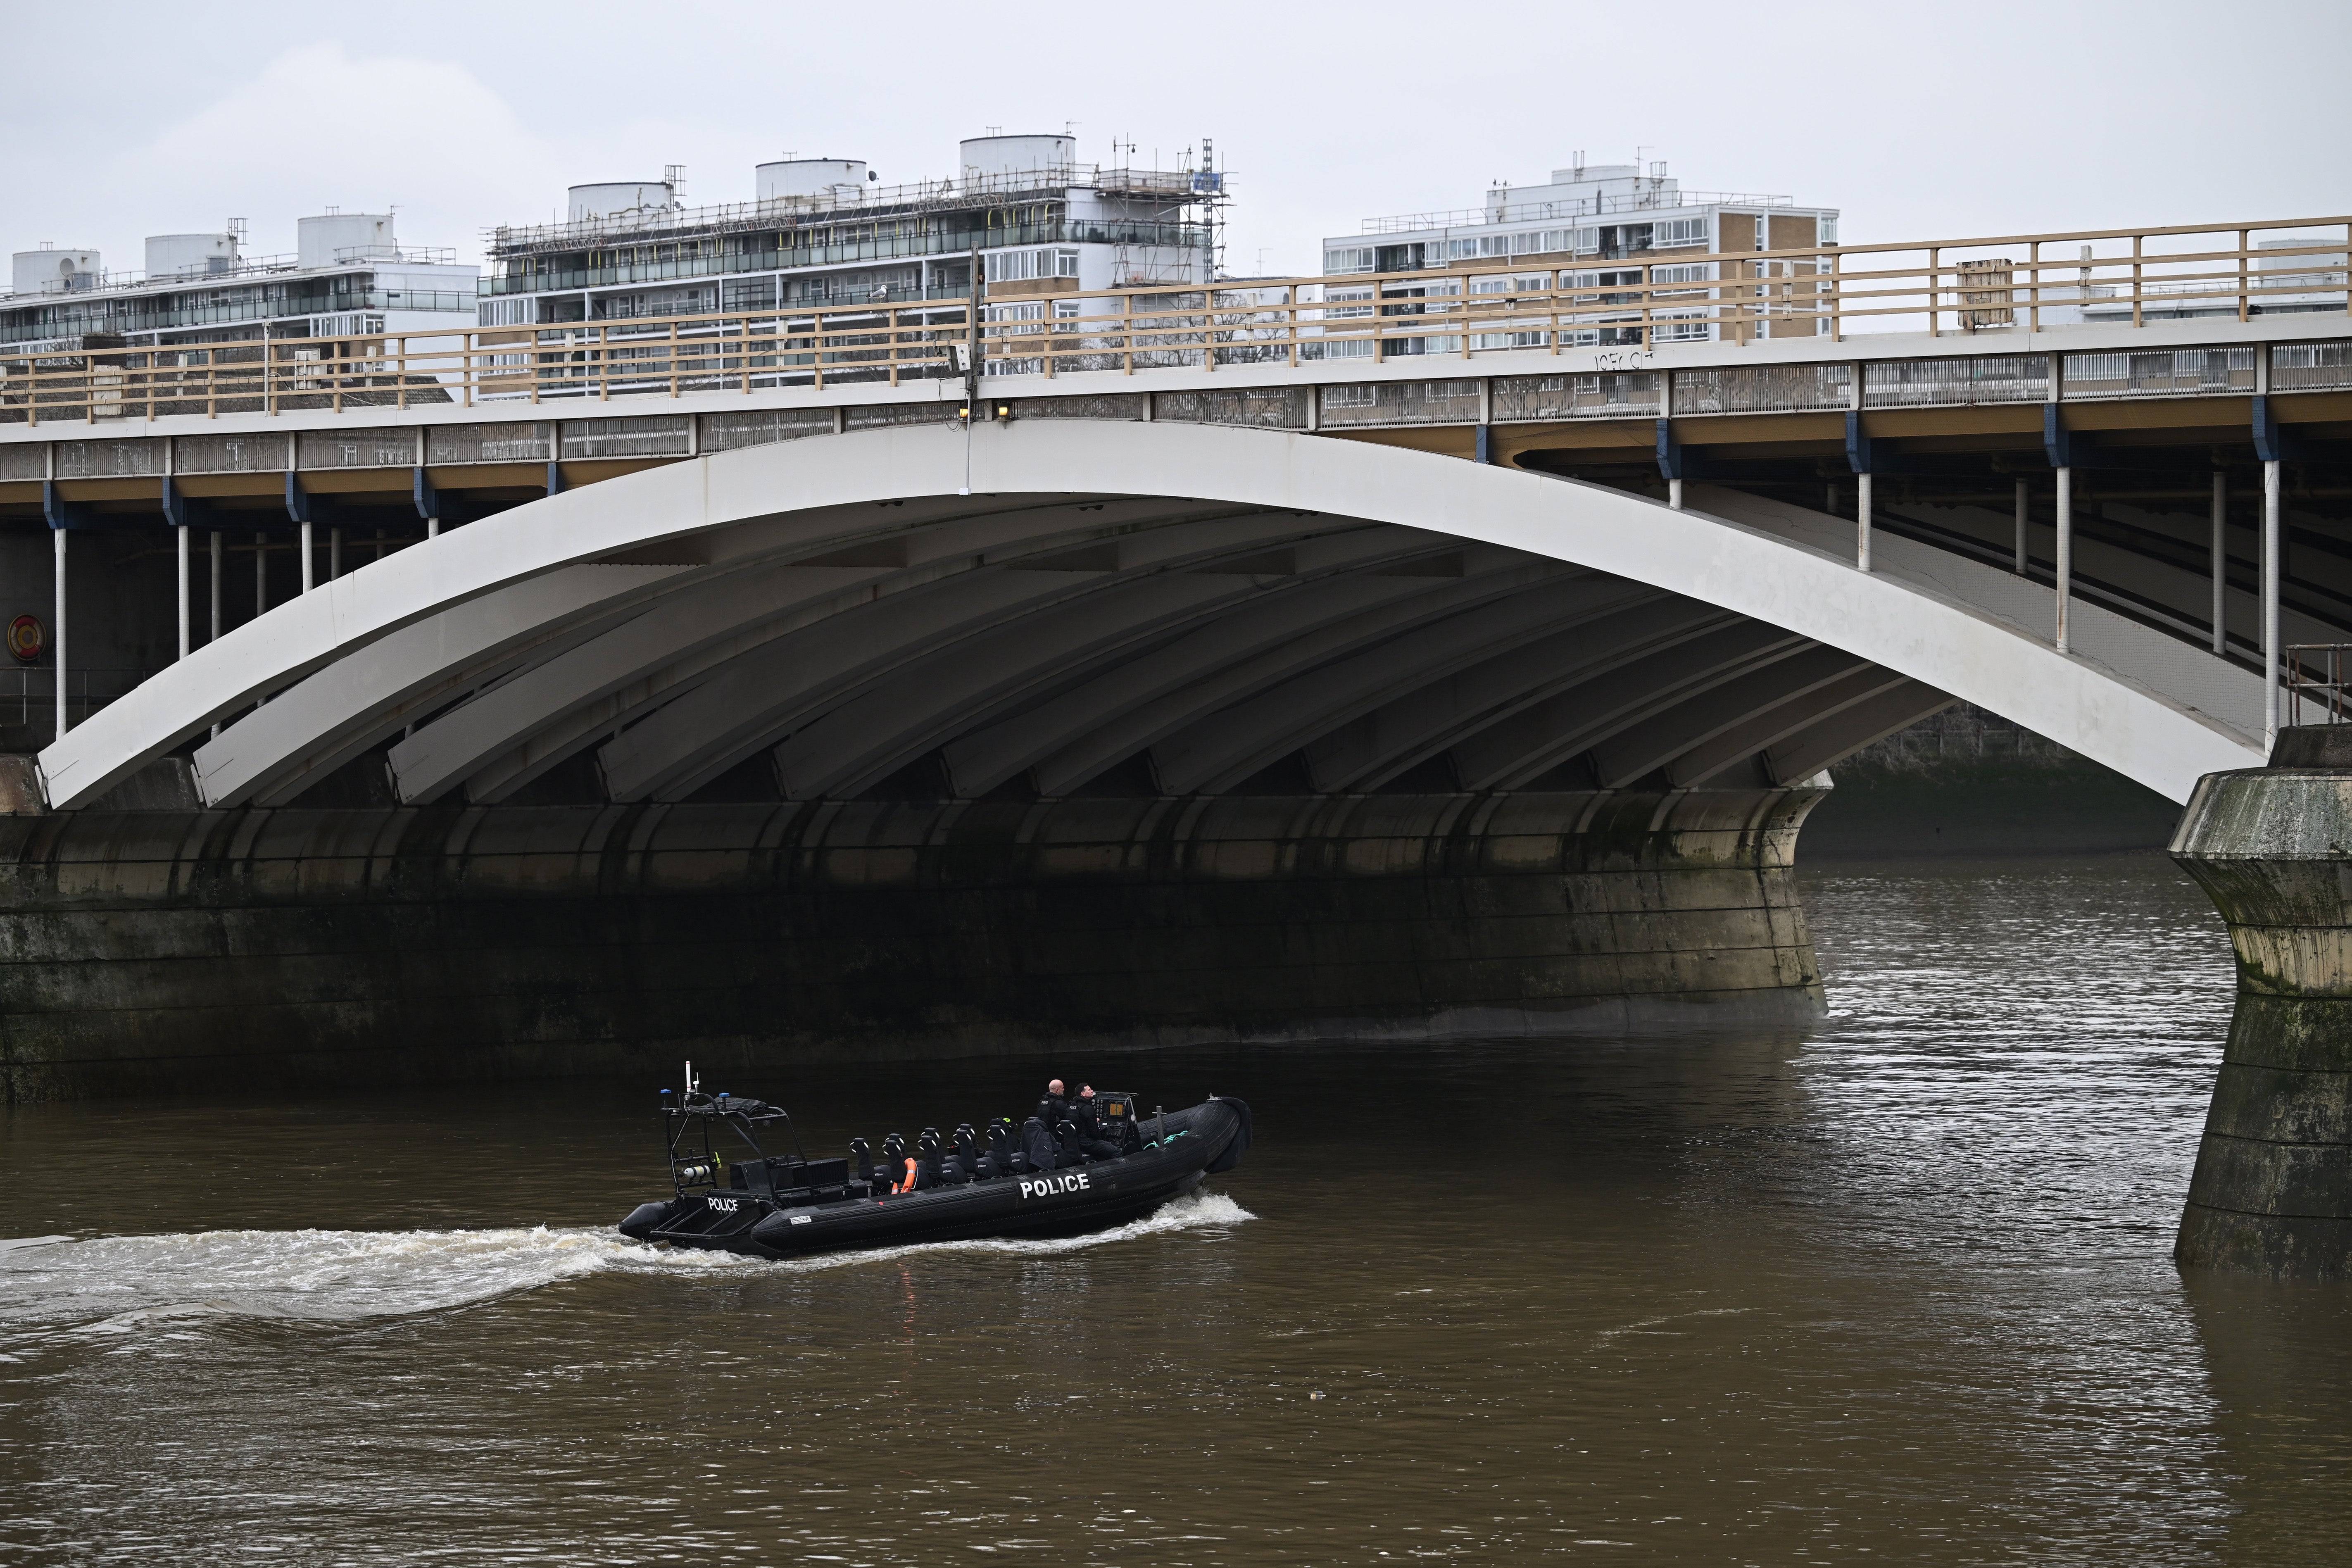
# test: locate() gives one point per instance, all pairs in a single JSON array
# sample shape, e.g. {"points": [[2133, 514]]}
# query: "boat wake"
{"points": [[166, 1285]]}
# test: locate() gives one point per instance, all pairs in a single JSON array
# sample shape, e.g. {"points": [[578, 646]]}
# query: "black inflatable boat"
{"points": [[1001, 1180]]}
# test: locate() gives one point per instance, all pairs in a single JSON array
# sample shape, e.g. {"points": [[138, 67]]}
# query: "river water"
{"points": [[1896, 1288]]}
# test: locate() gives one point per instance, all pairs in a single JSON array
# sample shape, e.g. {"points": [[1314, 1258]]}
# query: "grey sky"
{"points": [[1917, 121]]}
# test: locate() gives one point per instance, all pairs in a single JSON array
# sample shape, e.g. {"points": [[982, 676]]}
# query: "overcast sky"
{"points": [[1918, 120]]}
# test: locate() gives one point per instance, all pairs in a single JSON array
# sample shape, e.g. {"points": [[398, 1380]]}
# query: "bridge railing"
{"points": [[29, 695], [1542, 304], [2317, 683]]}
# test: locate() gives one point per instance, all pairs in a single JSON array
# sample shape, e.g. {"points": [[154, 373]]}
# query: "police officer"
{"points": [[1055, 1109], [1090, 1127]]}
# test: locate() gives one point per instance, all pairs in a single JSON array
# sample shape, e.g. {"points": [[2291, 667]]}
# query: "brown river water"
{"points": [[1894, 1289]]}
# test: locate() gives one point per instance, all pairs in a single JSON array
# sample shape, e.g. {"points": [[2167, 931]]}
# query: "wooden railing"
{"points": [[1539, 303]]}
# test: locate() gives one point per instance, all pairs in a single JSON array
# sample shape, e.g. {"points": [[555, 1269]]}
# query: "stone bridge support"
{"points": [[2273, 1189], [147, 950]]}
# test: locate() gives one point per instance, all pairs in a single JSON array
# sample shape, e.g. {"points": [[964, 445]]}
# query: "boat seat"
{"points": [[1038, 1144]]}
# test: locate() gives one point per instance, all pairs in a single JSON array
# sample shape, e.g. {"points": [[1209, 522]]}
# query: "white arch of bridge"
{"points": [[1058, 595]]}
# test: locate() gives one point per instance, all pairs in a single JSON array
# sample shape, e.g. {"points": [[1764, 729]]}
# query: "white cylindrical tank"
{"points": [[610, 198], [840, 178], [322, 241], [52, 271], [985, 157], [188, 255]]}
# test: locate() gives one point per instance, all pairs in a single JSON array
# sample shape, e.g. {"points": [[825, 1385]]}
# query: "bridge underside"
{"points": [[803, 750]]}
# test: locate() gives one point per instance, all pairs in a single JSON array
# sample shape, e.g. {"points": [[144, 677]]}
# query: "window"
{"points": [[1828, 231], [1355, 258], [1695, 272], [1681, 231], [1018, 266]]}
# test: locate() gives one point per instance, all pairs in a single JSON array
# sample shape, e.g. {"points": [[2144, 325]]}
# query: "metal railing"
{"points": [[2317, 683], [1603, 206], [29, 695], [1827, 294]]}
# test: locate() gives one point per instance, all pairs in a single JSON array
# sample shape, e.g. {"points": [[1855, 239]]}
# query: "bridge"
{"points": [[1456, 650], [1986, 427]]}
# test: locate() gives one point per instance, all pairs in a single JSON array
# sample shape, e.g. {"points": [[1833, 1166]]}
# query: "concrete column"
{"points": [[432, 528], [2021, 528], [1862, 501], [306, 559], [2219, 560], [1674, 494], [2272, 1192], [2065, 549], [185, 614], [216, 633], [335, 553], [2270, 603], [1829, 497], [260, 574], [57, 623]]}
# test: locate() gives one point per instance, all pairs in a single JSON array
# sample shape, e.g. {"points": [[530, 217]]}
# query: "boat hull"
{"points": [[1074, 1201]]}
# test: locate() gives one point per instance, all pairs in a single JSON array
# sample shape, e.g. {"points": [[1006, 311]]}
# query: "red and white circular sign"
{"points": [[26, 637]]}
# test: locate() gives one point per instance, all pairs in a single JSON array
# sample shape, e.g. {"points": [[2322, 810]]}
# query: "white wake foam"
{"points": [[131, 1285]]}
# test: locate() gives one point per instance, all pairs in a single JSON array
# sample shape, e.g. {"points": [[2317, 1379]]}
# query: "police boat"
{"points": [[738, 1190]]}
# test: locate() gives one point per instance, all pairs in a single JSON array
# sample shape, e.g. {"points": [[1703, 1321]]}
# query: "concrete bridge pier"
{"points": [[147, 949], [2273, 846]]}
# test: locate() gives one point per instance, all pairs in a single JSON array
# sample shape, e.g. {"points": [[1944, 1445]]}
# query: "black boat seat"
{"points": [[1038, 1144]]}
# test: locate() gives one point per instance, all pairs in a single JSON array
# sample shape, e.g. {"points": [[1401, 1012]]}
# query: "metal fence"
{"points": [[2314, 677], [1826, 294]]}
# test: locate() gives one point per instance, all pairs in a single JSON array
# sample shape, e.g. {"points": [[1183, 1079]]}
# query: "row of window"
{"points": [[1020, 266], [1665, 233]]}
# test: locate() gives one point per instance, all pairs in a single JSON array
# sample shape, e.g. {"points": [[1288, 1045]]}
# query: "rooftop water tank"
{"points": [[343, 236], [840, 178], [611, 198], [190, 255], [988, 157], [52, 271]]}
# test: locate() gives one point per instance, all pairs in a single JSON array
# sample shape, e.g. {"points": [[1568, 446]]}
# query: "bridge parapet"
{"points": [[1972, 299]]}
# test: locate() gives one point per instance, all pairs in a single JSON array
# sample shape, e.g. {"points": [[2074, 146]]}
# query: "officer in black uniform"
{"points": [[1090, 1127], [1055, 1109]]}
